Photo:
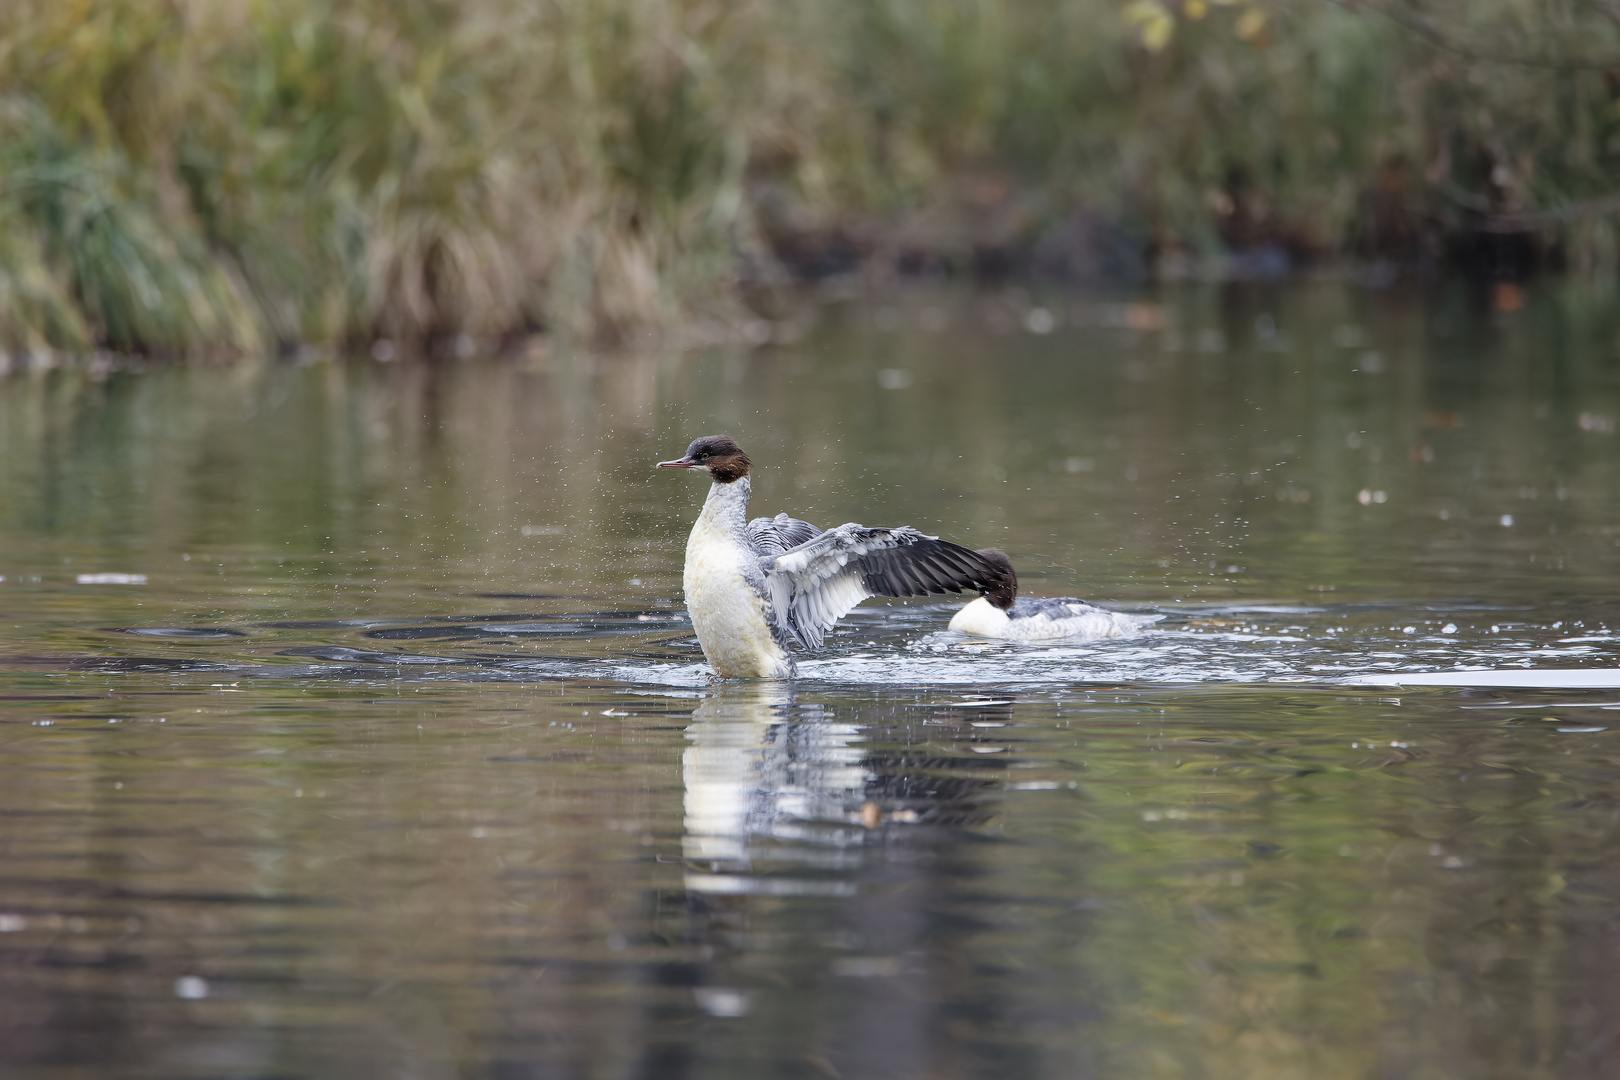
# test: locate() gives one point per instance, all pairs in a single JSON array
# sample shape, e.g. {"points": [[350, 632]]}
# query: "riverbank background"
{"points": [[220, 177]]}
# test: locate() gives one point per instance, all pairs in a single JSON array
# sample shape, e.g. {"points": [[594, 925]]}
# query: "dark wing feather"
{"points": [[924, 566], [817, 582], [773, 536]]}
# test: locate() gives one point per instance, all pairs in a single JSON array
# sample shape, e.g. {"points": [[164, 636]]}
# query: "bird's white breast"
{"points": [[727, 613]]}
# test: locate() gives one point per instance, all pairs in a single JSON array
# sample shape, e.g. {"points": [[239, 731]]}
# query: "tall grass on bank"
{"points": [[349, 169], [207, 176]]}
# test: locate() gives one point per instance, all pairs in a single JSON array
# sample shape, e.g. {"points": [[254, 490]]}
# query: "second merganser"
{"points": [[758, 588], [998, 613]]}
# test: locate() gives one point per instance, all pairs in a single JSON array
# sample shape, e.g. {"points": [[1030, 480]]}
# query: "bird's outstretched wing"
{"points": [[816, 583], [773, 536]]}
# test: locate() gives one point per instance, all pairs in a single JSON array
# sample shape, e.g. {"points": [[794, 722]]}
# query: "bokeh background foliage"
{"points": [[219, 176]]}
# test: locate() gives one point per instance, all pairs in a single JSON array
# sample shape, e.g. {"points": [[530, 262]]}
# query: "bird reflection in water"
{"points": [[762, 770], [783, 794], [829, 836]]}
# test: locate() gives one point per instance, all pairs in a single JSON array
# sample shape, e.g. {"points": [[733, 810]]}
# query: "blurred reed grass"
{"points": [[222, 176]]}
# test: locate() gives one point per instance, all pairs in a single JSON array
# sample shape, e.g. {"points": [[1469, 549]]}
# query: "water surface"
{"points": [[352, 725]]}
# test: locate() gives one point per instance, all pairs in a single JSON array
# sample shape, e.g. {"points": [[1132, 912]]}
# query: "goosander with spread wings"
{"points": [[759, 589]]}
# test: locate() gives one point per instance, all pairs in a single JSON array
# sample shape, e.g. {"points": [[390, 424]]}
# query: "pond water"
{"points": [[351, 724]]}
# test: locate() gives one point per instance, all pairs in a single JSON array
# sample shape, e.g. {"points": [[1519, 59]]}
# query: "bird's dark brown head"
{"points": [[1002, 589], [718, 455]]}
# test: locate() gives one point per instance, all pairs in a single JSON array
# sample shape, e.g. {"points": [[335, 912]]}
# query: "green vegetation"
{"points": [[219, 176]]}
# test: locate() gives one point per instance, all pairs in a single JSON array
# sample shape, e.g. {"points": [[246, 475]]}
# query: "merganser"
{"points": [[757, 588], [998, 613]]}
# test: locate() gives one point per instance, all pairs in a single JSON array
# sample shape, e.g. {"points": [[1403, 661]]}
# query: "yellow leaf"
{"points": [[1153, 20], [1250, 24], [1195, 9]]}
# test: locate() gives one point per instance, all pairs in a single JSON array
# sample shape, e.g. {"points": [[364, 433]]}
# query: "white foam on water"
{"points": [[1519, 679]]}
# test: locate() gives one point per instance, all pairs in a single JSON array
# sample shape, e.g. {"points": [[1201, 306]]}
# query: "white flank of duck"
{"points": [[1043, 620], [1000, 614]]}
